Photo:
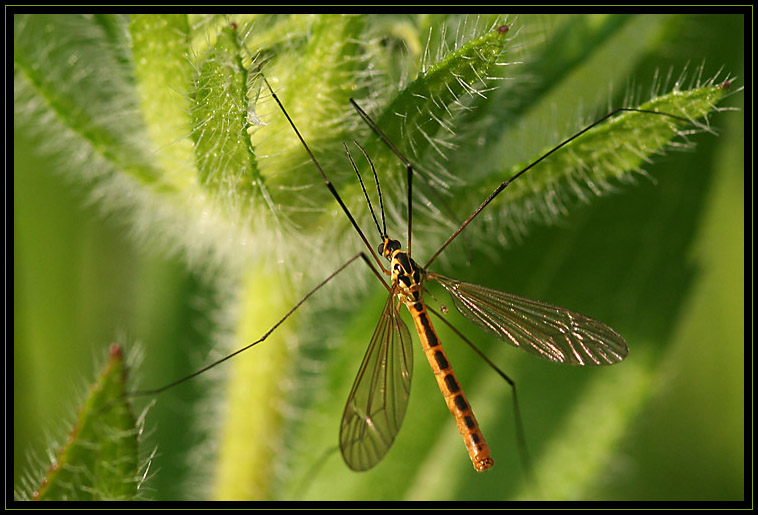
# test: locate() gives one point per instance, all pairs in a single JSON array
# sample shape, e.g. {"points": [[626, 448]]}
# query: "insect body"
{"points": [[408, 276], [372, 416]]}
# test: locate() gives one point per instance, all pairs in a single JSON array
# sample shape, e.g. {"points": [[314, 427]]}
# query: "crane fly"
{"points": [[379, 396], [378, 399]]}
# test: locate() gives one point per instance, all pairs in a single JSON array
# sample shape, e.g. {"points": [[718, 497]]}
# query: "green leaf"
{"points": [[47, 79], [100, 459], [225, 161], [415, 114], [163, 74]]}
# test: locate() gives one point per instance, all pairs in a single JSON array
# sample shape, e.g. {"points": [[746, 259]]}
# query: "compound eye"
{"points": [[381, 249]]}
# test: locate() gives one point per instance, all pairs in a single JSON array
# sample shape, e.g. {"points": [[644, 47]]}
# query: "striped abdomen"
{"points": [[478, 450]]}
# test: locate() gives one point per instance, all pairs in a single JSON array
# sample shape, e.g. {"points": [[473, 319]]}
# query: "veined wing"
{"points": [[547, 331], [377, 402]]}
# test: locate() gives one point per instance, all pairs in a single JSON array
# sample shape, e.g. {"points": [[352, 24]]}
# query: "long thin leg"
{"points": [[507, 182], [267, 333], [328, 183], [520, 436]]}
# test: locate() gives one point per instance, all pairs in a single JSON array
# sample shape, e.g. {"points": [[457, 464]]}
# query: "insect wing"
{"points": [[377, 402], [547, 331]]}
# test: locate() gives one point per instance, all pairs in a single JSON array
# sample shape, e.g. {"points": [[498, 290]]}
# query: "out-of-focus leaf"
{"points": [[100, 459]]}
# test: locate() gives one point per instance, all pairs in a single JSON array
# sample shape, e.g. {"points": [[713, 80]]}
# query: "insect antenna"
{"points": [[408, 166], [378, 189], [383, 229]]}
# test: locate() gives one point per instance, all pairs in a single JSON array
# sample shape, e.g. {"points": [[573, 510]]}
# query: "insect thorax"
{"points": [[408, 276]]}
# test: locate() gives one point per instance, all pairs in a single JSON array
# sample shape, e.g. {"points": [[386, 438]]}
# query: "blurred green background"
{"points": [[661, 260]]}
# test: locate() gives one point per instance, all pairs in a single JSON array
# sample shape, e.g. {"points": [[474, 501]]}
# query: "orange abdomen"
{"points": [[468, 427]]}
